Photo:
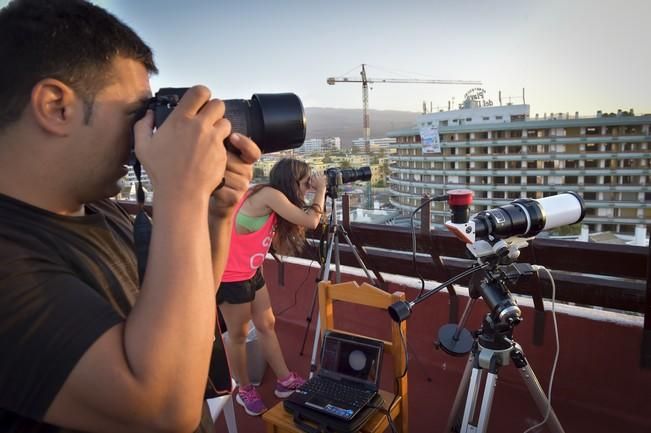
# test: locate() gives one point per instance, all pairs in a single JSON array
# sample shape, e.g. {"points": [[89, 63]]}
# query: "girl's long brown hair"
{"points": [[285, 176]]}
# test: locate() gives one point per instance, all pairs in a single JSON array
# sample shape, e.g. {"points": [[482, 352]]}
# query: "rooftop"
{"points": [[603, 311]]}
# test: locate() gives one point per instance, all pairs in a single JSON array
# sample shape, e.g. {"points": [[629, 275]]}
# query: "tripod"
{"points": [[493, 348], [332, 247]]}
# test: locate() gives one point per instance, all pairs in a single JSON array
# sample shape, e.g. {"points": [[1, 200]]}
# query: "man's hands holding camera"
{"points": [[186, 158]]}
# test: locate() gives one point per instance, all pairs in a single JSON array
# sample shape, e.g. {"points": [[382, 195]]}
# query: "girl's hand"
{"points": [[318, 181]]}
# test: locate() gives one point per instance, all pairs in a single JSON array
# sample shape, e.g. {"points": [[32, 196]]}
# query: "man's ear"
{"points": [[55, 106]]}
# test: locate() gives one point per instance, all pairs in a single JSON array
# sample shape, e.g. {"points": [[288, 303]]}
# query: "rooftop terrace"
{"points": [[603, 377]]}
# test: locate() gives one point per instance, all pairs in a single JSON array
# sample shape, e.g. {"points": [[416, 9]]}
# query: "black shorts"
{"points": [[240, 292]]}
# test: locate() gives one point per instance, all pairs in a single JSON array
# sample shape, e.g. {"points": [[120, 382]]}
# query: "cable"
{"points": [[397, 383], [558, 349], [295, 300], [386, 412], [413, 238]]}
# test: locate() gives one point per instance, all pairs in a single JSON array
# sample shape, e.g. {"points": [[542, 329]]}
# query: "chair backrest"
{"points": [[370, 296]]}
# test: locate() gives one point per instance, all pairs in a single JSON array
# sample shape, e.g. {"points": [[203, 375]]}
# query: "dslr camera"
{"points": [[274, 121], [339, 176]]}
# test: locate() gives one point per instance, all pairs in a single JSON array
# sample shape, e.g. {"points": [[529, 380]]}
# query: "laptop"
{"points": [[347, 379]]}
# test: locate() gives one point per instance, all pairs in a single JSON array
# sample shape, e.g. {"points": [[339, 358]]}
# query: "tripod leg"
{"points": [[538, 395], [357, 256], [455, 413], [317, 329], [325, 270], [337, 259], [487, 402], [308, 321], [315, 345], [471, 400]]}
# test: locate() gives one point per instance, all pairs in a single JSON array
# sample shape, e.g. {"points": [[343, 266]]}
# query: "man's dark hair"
{"points": [[69, 40]]}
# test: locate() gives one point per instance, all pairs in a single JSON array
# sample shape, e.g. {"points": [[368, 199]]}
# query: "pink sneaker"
{"points": [[249, 398], [288, 385]]}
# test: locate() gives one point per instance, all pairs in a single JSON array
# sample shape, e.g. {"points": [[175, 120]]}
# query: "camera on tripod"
{"points": [[274, 121], [339, 176]]}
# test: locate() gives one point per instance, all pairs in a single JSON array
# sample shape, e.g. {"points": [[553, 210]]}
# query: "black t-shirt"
{"points": [[64, 281]]}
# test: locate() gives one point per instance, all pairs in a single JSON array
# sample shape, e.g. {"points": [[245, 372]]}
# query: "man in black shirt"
{"points": [[84, 345]]}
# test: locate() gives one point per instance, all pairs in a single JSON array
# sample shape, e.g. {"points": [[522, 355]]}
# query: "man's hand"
{"points": [[186, 156], [238, 174]]}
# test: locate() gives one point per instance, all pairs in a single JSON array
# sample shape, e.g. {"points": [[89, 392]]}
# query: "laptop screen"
{"points": [[352, 357]]}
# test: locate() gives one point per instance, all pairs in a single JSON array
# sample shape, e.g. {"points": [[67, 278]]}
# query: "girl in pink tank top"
{"points": [[243, 295]]}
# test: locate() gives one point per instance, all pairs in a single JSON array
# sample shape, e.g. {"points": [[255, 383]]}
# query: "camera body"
{"points": [[274, 121]]}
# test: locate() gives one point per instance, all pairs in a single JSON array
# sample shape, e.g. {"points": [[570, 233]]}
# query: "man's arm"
{"points": [[149, 373]]}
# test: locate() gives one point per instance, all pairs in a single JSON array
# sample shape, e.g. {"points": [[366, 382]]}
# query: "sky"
{"points": [[567, 55]]}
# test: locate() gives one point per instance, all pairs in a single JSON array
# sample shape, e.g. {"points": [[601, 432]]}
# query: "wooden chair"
{"points": [[277, 420]]}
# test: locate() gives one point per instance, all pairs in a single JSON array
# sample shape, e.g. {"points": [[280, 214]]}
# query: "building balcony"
{"points": [[519, 187], [547, 156], [534, 141]]}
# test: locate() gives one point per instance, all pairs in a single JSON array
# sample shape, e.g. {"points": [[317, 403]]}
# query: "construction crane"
{"points": [[366, 81]]}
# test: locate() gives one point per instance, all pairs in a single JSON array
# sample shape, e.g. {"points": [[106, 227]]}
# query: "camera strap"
{"points": [[142, 225]]}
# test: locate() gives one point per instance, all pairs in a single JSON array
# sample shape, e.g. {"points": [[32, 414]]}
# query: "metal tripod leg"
{"points": [[324, 276], [471, 399], [471, 381], [539, 397], [357, 256], [474, 383], [486, 403], [455, 413]]}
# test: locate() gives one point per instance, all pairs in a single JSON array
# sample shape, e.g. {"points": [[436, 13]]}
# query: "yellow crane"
{"points": [[366, 81]]}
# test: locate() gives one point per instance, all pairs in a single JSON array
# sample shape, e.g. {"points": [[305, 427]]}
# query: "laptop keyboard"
{"points": [[338, 392]]}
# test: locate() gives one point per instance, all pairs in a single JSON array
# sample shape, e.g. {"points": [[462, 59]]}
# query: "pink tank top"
{"points": [[248, 250]]}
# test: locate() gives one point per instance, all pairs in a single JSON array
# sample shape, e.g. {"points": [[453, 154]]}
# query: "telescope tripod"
{"points": [[332, 248], [492, 349]]}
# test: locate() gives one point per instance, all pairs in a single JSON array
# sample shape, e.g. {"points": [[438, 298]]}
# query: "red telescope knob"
{"points": [[460, 197]]}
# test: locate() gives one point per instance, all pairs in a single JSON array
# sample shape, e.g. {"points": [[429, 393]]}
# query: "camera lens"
{"points": [[274, 121]]}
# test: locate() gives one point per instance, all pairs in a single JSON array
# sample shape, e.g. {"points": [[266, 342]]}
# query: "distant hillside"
{"points": [[347, 123]]}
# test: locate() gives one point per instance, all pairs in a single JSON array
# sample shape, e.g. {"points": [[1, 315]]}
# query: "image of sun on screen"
{"points": [[353, 359]]}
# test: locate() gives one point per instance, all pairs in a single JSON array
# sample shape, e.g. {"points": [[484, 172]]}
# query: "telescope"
{"points": [[495, 237], [523, 217]]}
